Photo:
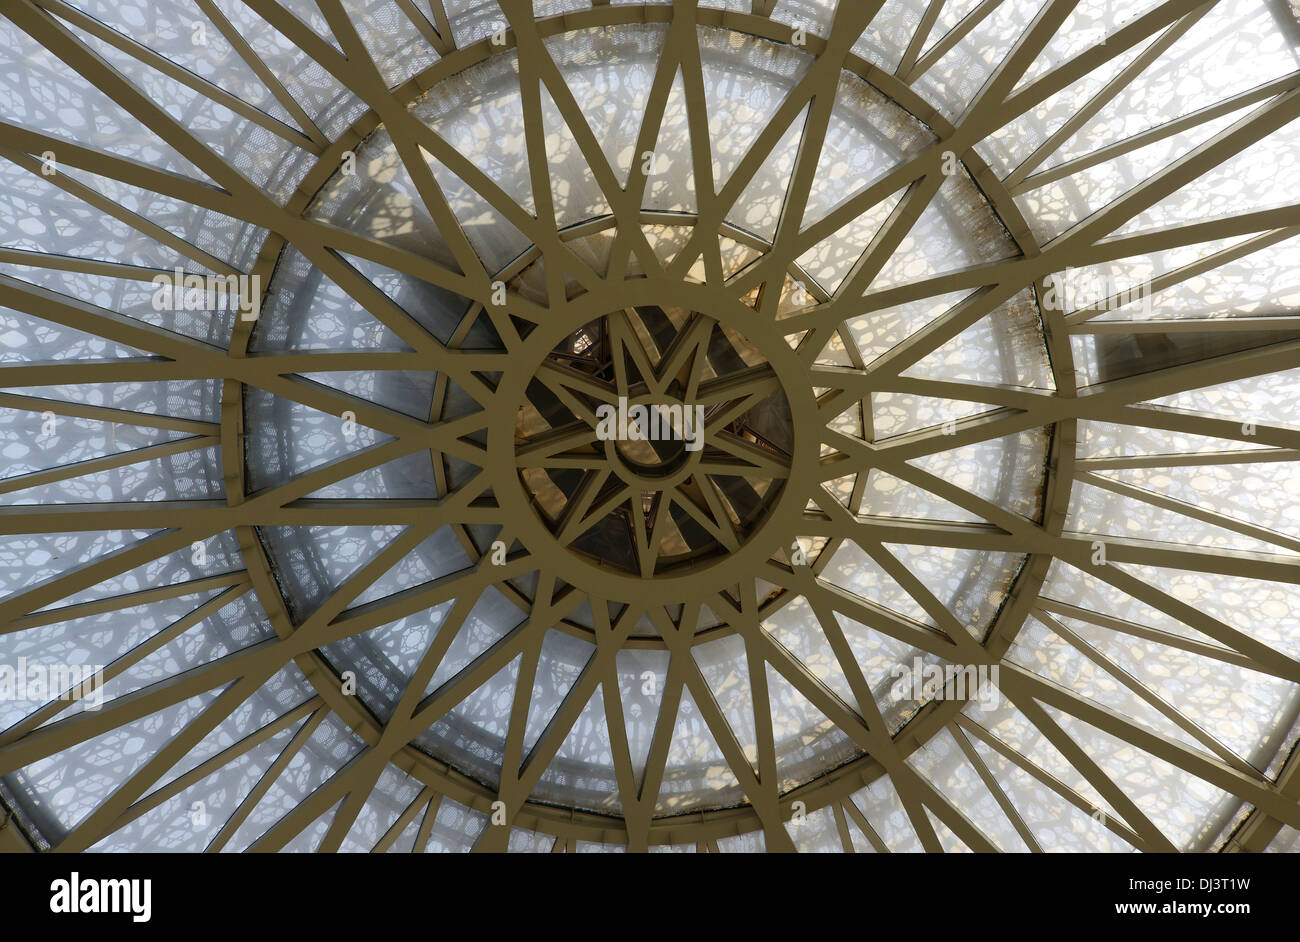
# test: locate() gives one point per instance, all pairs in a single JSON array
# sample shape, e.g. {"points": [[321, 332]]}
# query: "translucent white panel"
{"points": [[812, 15], [1104, 440], [472, 20], [592, 847], [1057, 825], [547, 8], [317, 560], [884, 661], [260, 156], [190, 475], [1247, 182], [1019, 138], [970, 584], [308, 839], [40, 217], [898, 413], [1182, 806], [725, 667], [948, 841], [949, 17], [1041, 650], [867, 136], [1265, 495], [956, 230], [1260, 284], [328, 749], [735, 257], [884, 811], [404, 391], [1075, 587], [562, 659], [878, 332], [529, 842], [672, 848], [187, 822], [132, 298], [393, 791], [288, 438], [671, 185], [807, 742], [436, 309], [888, 496], [485, 223], [1096, 510], [236, 625], [1241, 708], [841, 488], [795, 627], [1054, 207], [1269, 612], [222, 555], [848, 423], [1005, 471], [1236, 46], [835, 353], [817, 833], [1089, 24], [642, 675], [758, 208], [609, 71], [179, 31], [1006, 723], [232, 240], [329, 104], [380, 200], [392, 39], [438, 555], [472, 735], [30, 447], [491, 617], [63, 789], [285, 690], [455, 829], [857, 837], [696, 774], [582, 772], [1005, 347], [830, 261], [384, 658], [852, 569], [71, 109], [745, 81], [182, 398], [888, 34], [953, 82], [28, 559], [1267, 399], [941, 761], [1287, 841], [93, 641], [307, 311], [575, 193], [479, 112]]}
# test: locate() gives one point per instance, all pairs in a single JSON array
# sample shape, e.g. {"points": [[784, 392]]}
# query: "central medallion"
{"points": [[653, 438]]}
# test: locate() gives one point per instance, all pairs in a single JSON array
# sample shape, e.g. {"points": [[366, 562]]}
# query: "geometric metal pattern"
{"points": [[1147, 655], [708, 458]]}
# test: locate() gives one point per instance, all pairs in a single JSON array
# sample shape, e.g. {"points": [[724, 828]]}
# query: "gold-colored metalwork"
{"points": [[752, 548]]}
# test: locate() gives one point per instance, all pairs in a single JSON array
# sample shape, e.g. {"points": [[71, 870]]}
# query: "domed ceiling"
{"points": [[439, 425]]}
